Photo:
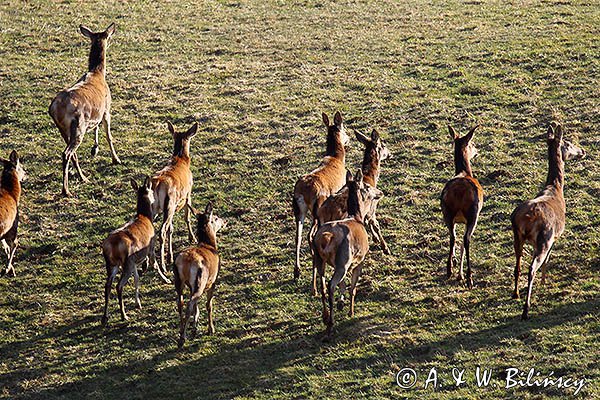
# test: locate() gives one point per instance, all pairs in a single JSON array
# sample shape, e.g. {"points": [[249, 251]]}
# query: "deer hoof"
{"points": [[340, 305], [116, 161], [104, 320], [515, 295], [94, 151]]}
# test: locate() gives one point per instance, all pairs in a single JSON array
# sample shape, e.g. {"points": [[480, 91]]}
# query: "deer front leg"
{"points": [[106, 123]]}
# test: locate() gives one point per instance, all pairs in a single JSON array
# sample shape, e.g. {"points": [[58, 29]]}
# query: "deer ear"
{"points": [[469, 135], [110, 30], [209, 208], [359, 176], [453, 133], [14, 157], [558, 132], [550, 133], [134, 185], [192, 131], [325, 119], [361, 138], [349, 177], [192, 209], [85, 31], [337, 119], [374, 135], [171, 129], [148, 182]]}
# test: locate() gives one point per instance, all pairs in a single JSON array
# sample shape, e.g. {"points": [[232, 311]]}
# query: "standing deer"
{"points": [[197, 268], [128, 246], [462, 199], [10, 194], [84, 105], [334, 207], [173, 190], [342, 244], [312, 190], [541, 221]]}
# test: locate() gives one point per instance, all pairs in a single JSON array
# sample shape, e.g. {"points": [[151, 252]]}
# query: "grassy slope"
{"points": [[257, 75]]}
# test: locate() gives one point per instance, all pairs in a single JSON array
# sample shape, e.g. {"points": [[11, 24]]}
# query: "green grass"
{"points": [[257, 76]]}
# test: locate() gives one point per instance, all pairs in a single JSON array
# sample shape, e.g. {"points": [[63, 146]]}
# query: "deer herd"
{"points": [[342, 206]]}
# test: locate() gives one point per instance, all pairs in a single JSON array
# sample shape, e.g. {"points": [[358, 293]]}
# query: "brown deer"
{"points": [[462, 199], [84, 105], [312, 190], [10, 194], [334, 208], [541, 221], [342, 244], [128, 246], [173, 190], [197, 268]]}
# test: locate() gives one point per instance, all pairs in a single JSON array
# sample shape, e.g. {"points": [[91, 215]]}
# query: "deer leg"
{"points": [[127, 271], [164, 228], [544, 267], [152, 259], [340, 303], [354, 281], [75, 139], [136, 282], [300, 210], [467, 245], [342, 264], [188, 219], [111, 272], [542, 249], [209, 310], [170, 244], [376, 230], [78, 168], [179, 298], [319, 266], [106, 123], [95, 146], [450, 262], [10, 244], [192, 305], [518, 245]]}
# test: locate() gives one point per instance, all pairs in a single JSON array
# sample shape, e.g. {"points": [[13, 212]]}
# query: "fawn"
{"points": [[128, 246], [10, 194], [197, 268], [84, 105], [342, 244], [312, 190], [173, 190], [462, 199], [541, 221]]}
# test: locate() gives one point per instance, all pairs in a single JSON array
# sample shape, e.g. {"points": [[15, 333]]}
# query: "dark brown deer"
{"points": [[84, 106], [10, 195], [462, 199], [173, 191], [334, 208], [312, 190], [342, 244], [128, 246], [541, 221], [197, 268]]}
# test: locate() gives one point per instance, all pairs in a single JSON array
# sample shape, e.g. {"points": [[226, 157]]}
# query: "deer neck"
{"points": [[335, 147], [370, 167], [97, 59], [10, 183], [354, 210], [207, 236], [144, 207], [461, 164], [556, 167], [181, 149]]}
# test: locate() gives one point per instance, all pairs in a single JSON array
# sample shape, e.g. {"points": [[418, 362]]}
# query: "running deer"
{"points": [[197, 268], [173, 190], [128, 246], [462, 199], [312, 190], [541, 221], [10, 194], [342, 244], [334, 207], [84, 106]]}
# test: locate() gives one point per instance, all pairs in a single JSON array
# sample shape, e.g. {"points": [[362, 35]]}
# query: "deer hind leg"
{"points": [[342, 287], [151, 259], [197, 290], [170, 244], [77, 131], [378, 236], [541, 254], [342, 263], [544, 267], [128, 269], [450, 262], [300, 211], [518, 245], [354, 281], [209, 310], [136, 281], [179, 289], [168, 212], [78, 168], [10, 244], [188, 219], [319, 266], [111, 273], [95, 146], [467, 245], [106, 123]]}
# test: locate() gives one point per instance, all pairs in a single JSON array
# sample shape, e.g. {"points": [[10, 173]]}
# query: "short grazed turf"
{"points": [[257, 75]]}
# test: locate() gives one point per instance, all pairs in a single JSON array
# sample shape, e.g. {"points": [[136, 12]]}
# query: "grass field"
{"points": [[257, 75]]}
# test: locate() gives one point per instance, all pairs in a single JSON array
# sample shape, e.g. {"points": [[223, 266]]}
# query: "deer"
{"points": [[312, 189], [10, 195], [342, 244], [128, 246], [462, 200], [84, 106], [334, 207], [173, 191], [541, 221], [197, 268]]}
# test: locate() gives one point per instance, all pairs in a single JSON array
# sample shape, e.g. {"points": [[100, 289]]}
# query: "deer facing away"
{"points": [[84, 106], [10, 195], [541, 221]]}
